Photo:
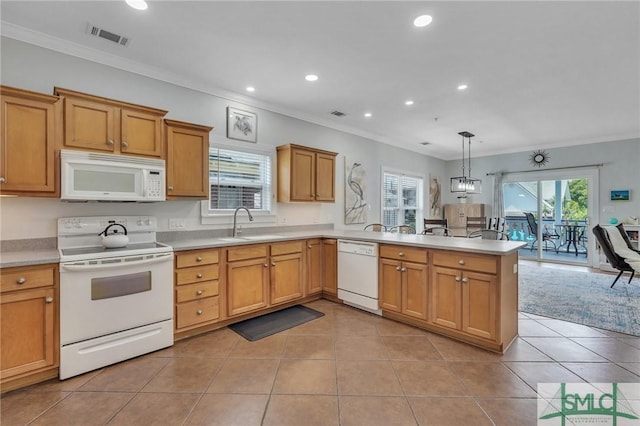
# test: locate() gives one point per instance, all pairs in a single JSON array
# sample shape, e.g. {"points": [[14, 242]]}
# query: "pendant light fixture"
{"points": [[466, 184]]}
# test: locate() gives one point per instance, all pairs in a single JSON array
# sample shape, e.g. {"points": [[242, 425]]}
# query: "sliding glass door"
{"points": [[552, 212]]}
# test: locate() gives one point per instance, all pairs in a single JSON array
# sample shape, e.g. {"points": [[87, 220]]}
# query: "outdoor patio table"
{"points": [[572, 234]]}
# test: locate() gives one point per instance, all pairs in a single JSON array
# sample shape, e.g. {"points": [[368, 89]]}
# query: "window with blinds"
{"points": [[402, 200], [239, 179]]}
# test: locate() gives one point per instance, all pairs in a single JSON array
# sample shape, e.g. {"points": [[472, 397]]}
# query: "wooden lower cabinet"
{"points": [[314, 266], [28, 325], [330, 267], [247, 285], [286, 278], [403, 285], [197, 289]]}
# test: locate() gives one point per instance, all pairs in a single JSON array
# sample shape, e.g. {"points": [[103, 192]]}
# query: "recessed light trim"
{"points": [[368, 115], [137, 4], [311, 77], [463, 86], [251, 89], [422, 21], [408, 103]]}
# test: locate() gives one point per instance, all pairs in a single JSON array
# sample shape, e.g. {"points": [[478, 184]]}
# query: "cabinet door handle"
{"points": [[199, 275], [170, 187], [458, 279], [110, 142], [461, 262], [199, 312], [125, 144], [2, 180], [403, 269], [199, 292], [266, 265], [309, 247], [398, 268], [48, 299], [465, 280], [21, 280], [273, 263], [198, 259]]}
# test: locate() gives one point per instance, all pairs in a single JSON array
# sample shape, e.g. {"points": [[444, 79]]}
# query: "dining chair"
{"points": [[476, 223], [438, 231], [616, 261], [496, 223], [434, 223], [375, 227], [488, 234], [403, 229]]}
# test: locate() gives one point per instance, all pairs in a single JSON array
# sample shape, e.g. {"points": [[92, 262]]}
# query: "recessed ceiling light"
{"points": [[462, 87], [311, 77], [422, 21], [251, 89], [137, 4], [408, 103], [367, 114]]}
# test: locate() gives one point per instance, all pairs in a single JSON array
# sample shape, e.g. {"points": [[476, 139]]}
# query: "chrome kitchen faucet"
{"points": [[235, 216]]}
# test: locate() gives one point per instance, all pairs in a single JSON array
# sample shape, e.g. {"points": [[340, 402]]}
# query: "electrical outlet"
{"points": [[177, 224], [283, 219]]}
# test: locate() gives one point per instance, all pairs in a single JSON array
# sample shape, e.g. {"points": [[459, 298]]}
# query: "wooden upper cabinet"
{"points": [[31, 131], [305, 174], [187, 150], [100, 124]]}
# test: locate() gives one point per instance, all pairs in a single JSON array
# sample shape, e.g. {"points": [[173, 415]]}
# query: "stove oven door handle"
{"points": [[99, 266]]}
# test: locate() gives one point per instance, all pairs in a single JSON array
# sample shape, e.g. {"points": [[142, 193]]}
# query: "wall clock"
{"points": [[539, 158]]}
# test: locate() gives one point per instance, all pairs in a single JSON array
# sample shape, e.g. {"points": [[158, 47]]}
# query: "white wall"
{"points": [[33, 68], [620, 170]]}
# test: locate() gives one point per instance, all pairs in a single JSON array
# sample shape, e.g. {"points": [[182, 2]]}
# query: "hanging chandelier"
{"points": [[466, 184]]}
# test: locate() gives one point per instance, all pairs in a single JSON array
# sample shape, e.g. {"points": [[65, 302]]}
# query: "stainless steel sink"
{"points": [[231, 239], [262, 237]]}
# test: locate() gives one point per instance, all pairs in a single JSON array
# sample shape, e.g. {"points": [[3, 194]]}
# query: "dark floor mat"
{"points": [[257, 328]]}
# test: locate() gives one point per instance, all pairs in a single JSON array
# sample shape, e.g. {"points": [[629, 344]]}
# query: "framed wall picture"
{"points": [[242, 125], [621, 195]]}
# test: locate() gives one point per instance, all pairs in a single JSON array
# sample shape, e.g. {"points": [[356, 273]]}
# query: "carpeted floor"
{"points": [[581, 297]]}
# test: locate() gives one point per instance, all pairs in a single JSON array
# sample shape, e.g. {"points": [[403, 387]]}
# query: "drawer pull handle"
{"points": [[198, 259], [21, 280], [48, 299], [199, 275], [461, 262], [199, 312], [199, 292], [465, 280], [401, 254], [458, 279]]}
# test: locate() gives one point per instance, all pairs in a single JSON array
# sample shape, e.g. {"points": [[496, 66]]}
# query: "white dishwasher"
{"points": [[358, 274]]}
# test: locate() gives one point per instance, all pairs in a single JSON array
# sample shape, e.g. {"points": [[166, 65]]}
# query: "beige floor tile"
{"points": [[375, 411], [520, 350], [321, 305], [130, 376], [448, 411], [367, 378], [324, 325], [307, 410], [452, 350], [309, 347], [410, 347], [156, 409], [20, 407], [245, 376], [564, 350], [354, 326], [70, 384], [360, 347], [532, 328], [84, 409], [491, 380], [571, 329], [542, 372], [610, 348], [185, 375], [511, 411], [229, 410], [269, 347], [388, 327], [602, 372], [429, 378], [302, 376], [216, 344]]}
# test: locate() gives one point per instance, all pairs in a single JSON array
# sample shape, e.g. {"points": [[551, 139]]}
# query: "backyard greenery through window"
{"points": [[237, 179]]}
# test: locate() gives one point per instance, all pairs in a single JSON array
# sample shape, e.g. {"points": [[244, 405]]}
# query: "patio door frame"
{"points": [[592, 174]]}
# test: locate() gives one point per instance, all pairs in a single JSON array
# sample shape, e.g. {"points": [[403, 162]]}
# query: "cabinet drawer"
{"points": [[246, 252], [198, 311], [28, 277], [286, 248], [196, 291], [461, 260], [193, 275], [410, 254], [194, 258]]}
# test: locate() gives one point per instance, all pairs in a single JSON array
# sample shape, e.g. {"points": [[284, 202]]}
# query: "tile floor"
{"points": [[345, 368]]}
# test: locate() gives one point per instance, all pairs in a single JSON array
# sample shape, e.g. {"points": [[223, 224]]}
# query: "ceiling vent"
{"points": [[108, 35], [338, 113]]}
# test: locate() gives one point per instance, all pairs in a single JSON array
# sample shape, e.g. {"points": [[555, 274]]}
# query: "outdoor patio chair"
{"points": [[533, 230], [615, 260]]}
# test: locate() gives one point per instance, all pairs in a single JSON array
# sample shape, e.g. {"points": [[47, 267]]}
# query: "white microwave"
{"points": [[87, 176]]}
